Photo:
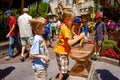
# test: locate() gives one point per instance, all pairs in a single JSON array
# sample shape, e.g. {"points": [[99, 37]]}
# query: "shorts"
{"points": [[99, 42], [47, 37], [63, 63], [26, 40], [40, 74]]}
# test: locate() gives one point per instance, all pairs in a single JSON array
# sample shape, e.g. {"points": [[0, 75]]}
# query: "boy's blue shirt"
{"points": [[39, 47]]}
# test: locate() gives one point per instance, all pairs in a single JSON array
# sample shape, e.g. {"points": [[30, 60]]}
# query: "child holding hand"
{"points": [[39, 51]]}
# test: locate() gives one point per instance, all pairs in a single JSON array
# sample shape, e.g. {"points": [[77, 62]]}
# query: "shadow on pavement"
{"points": [[106, 75], [5, 72]]}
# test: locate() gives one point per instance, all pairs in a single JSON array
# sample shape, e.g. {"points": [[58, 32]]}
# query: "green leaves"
{"points": [[42, 9]]}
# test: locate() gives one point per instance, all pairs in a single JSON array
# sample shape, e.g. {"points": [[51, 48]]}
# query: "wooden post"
{"points": [[37, 6], [22, 5]]}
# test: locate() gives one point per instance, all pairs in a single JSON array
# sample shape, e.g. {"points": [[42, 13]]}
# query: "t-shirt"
{"points": [[58, 23], [39, 47], [85, 29], [53, 26], [99, 31], [111, 25], [24, 25], [13, 21], [62, 47], [48, 28]]}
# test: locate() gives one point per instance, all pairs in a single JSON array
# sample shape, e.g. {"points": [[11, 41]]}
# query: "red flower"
{"points": [[111, 54]]}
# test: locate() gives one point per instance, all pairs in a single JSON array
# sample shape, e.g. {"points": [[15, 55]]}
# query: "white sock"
{"points": [[95, 53]]}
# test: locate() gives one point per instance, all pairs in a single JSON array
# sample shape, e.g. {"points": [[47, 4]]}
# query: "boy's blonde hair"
{"points": [[68, 14], [40, 21]]}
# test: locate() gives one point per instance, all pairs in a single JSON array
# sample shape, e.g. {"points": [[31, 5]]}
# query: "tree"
{"points": [[97, 6], [42, 9], [111, 10]]}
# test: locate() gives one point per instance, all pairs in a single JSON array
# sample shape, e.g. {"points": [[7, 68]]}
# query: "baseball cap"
{"points": [[78, 20], [99, 16], [8, 11]]}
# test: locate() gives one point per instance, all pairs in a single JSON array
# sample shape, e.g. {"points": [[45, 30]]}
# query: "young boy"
{"points": [[39, 51], [65, 42], [84, 28], [100, 30]]}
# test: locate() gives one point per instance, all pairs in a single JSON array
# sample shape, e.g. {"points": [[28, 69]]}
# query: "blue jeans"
{"points": [[13, 39]]}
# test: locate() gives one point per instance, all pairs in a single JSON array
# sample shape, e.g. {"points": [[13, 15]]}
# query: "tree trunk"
{"points": [[22, 5]]}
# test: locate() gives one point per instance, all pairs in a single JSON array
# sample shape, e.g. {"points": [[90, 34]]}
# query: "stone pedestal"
{"points": [[83, 75], [91, 76], [83, 69]]}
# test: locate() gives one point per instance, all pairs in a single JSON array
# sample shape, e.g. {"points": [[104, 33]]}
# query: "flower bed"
{"points": [[111, 54], [110, 49]]}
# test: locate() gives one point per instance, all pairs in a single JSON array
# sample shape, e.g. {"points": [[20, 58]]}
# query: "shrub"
{"points": [[110, 42]]}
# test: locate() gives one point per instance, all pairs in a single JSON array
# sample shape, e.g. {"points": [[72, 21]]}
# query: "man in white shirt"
{"points": [[25, 31]]}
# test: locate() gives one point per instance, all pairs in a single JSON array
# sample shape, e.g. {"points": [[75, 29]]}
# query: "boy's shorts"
{"points": [[40, 74], [47, 37], [99, 42], [63, 63], [26, 40]]}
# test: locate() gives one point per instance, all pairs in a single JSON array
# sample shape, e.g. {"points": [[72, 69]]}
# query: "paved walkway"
{"points": [[16, 70], [24, 71]]}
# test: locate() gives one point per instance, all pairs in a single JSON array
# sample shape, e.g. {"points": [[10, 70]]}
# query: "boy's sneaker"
{"points": [[8, 58], [95, 56]]}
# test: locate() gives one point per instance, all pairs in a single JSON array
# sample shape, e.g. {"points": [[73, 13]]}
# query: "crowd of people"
{"points": [[37, 34]]}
